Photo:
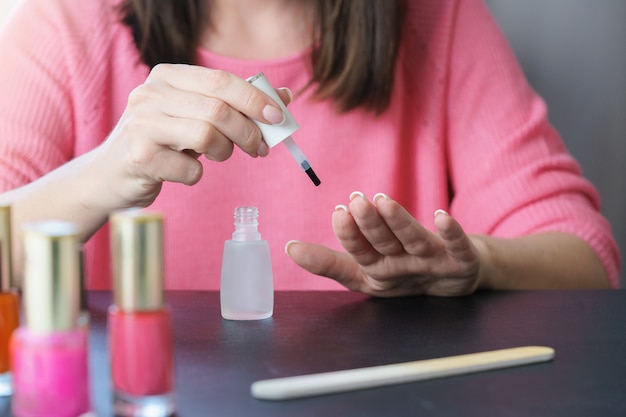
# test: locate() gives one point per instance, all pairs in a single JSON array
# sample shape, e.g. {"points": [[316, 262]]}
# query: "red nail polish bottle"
{"points": [[139, 323]]}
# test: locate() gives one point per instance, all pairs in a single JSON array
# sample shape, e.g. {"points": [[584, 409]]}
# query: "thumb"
{"points": [[285, 95], [320, 260]]}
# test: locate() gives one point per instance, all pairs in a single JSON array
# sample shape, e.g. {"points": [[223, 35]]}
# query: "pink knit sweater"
{"points": [[464, 132]]}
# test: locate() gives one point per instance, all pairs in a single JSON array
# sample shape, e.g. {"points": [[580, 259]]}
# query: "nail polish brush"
{"points": [[275, 134]]}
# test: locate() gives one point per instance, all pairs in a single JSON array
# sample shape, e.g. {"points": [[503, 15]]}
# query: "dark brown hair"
{"points": [[353, 62]]}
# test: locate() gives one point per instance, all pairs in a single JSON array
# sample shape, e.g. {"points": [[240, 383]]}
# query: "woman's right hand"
{"points": [[178, 114]]}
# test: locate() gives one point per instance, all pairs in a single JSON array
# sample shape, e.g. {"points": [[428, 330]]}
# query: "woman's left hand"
{"points": [[390, 254]]}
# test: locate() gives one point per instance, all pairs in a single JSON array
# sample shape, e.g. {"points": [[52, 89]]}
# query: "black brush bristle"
{"points": [[313, 177]]}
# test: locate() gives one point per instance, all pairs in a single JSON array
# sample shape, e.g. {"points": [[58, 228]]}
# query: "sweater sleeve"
{"points": [[511, 175], [36, 120], [53, 82]]}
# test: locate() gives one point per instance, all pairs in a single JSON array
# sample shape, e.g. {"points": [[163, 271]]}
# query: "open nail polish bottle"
{"points": [[247, 286], [49, 354], [9, 301], [139, 323]]}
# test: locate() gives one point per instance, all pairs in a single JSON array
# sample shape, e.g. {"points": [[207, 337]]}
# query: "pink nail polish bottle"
{"points": [[49, 354], [139, 323]]}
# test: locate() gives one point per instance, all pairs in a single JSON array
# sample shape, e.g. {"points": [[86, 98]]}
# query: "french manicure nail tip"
{"points": [[380, 195], [288, 244], [441, 212], [356, 194], [342, 207]]}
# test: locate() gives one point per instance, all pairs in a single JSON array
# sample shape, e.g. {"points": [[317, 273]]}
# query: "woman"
{"points": [[420, 106]]}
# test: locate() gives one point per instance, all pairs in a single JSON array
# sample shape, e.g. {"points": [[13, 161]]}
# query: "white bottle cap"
{"points": [[273, 134]]}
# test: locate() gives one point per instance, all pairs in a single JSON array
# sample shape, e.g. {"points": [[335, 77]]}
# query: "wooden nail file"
{"points": [[376, 376]]}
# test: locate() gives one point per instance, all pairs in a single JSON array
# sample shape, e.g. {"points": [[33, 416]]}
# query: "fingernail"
{"points": [[288, 244], [273, 115], [380, 195], [356, 194], [263, 150], [441, 212], [342, 207], [289, 93]]}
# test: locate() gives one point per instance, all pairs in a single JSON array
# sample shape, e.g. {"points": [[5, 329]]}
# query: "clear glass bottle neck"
{"points": [[246, 224]]}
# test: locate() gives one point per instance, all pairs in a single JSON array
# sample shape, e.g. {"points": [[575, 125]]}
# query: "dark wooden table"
{"points": [[217, 360]]}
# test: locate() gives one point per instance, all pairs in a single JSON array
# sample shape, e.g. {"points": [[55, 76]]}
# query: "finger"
{"points": [[197, 136], [350, 237], [147, 157], [177, 134], [215, 121], [320, 260], [456, 241], [373, 226], [237, 92], [168, 165], [415, 238], [227, 120]]}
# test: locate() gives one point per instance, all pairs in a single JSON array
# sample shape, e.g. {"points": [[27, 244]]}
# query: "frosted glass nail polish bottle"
{"points": [[247, 285], [139, 322], [49, 354], [9, 301]]}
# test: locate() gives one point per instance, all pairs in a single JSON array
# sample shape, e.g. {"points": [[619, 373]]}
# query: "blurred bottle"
{"points": [[247, 286], [9, 301], [139, 323], [49, 354]]}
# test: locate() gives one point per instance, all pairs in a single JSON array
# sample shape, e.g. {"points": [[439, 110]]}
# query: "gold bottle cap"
{"points": [[51, 276], [6, 266], [137, 254]]}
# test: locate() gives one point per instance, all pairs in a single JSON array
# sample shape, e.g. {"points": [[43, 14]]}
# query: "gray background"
{"points": [[574, 54]]}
